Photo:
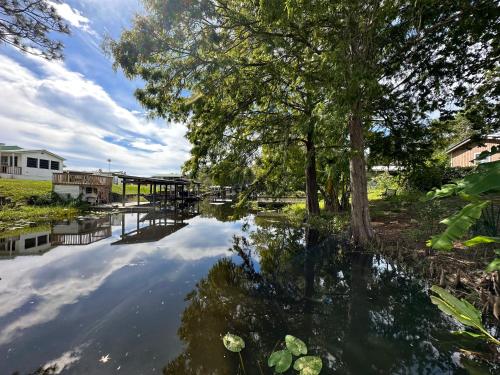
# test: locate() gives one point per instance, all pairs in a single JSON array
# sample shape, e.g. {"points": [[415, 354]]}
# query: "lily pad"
{"points": [[282, 360], [295, 345], [308, 365], [233, 343]]}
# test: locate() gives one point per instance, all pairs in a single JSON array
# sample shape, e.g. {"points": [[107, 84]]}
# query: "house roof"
{"points": [[493, 136], [3, 147], [19, 150]]}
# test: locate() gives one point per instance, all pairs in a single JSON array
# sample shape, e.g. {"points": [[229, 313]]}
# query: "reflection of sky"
{"points": [[88, 301]]}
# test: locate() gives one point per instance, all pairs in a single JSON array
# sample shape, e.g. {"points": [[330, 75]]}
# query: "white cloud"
{"points": [[73, 16], [60, 110]]}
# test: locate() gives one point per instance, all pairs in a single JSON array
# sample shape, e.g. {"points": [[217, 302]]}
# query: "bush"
{"points": [[434, 175]]}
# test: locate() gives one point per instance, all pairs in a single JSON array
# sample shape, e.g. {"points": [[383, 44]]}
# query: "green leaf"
{"points": [[308, 365], [282, 360], [486, 180], [457, 226], [295, 345], [461, 310], [233, 343], [494, 265], [472, 334], [481, 239]]}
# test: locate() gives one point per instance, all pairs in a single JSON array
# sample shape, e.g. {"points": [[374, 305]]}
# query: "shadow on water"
{"points": [[355, 310]]}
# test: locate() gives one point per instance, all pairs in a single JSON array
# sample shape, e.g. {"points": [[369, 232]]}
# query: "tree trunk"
{"points": [[331, 197], [312, 202], [362, 231]]}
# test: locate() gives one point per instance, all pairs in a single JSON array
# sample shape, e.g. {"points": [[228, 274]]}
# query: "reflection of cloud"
{"points": [[35, 289], [65, 361]]}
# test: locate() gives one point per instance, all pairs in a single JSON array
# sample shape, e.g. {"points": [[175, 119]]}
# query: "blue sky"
{"points": [[81, 108]]}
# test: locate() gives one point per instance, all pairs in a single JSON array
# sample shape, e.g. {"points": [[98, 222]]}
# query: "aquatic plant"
{"points": [[281, 360]]}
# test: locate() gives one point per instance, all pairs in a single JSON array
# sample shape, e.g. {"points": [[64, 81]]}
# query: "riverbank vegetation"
{"points": [[32, 202]]}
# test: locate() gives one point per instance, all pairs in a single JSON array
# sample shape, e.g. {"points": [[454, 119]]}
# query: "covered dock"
{"points": [[161, 190]]}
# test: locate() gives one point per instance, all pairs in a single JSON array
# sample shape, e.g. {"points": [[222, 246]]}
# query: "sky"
{"points": [[82, 109]]}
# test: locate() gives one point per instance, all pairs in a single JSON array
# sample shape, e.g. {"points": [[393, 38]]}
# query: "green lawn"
{"points": [[129, 189], [20, 190]]}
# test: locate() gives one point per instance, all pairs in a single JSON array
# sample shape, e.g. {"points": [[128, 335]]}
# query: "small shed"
{"points": [[89, 187]]}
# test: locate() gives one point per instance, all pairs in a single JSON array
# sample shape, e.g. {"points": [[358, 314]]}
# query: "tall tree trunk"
{"points": [[331, 196], [362, 231], [312, 201]]}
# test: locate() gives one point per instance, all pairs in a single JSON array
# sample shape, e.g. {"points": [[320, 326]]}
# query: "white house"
{"points": [[20, 163]]}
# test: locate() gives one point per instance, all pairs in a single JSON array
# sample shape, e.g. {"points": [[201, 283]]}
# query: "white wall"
{"points": [[28, 173], [67, 191]]}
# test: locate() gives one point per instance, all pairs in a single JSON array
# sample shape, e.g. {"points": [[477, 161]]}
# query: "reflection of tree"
{"points": [[222, 212], [357, 314]]}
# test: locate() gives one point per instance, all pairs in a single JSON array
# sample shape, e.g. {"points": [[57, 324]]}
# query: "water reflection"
{"points": [[154, 293], [355, 311]]}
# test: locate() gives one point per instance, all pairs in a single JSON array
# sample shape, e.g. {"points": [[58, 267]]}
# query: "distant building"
{"points": [[116, 180], [464, 153], [89, 187], [24, 164]]}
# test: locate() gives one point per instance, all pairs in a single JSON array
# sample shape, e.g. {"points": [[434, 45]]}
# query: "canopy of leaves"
{"points": [[27, 25]]}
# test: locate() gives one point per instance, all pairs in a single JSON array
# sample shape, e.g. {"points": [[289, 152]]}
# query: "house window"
{"points": [[44, 164], [42, 240], [88, 190], [54, 165], [4, 160], [29, 243], [485, 160], [32, 163]]}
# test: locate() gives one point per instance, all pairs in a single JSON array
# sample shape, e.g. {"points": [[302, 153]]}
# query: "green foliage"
{"points": [[295, 345], [281, 360], [29, 26], [233, 343], [473, 187], [457, 226], [494, 265], [308, 365], [462, 311]]}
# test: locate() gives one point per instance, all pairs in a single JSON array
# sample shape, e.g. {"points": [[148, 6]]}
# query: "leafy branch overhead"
{"points": [[28, 24]]}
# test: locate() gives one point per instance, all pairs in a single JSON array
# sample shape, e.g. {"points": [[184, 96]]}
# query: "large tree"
{"points": [[247, 75], [27, 25]]}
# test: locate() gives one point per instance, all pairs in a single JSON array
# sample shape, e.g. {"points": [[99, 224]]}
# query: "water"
{"points": [[152, 294]]}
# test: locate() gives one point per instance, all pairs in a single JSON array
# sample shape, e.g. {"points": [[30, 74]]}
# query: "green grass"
{"points": [[20, 190], [129, 189]]}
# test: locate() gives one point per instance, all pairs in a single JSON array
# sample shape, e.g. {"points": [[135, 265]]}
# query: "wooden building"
{"points": [[463, 154], [90, 187]]}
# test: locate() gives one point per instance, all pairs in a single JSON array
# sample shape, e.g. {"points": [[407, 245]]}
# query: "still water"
{"points": [[152, 293]]}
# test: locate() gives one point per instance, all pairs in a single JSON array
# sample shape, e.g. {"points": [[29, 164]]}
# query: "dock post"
{"points": [[138, 194], [124, 182], [154, 195]]}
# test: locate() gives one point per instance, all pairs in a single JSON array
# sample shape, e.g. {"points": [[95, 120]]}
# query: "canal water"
{"points": [[152, 293]]}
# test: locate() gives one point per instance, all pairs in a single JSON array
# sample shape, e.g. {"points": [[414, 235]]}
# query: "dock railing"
{"points": [[81, 179]]}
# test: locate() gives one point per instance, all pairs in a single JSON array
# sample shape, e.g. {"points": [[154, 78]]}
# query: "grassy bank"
{"points": [[20, 214]]}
